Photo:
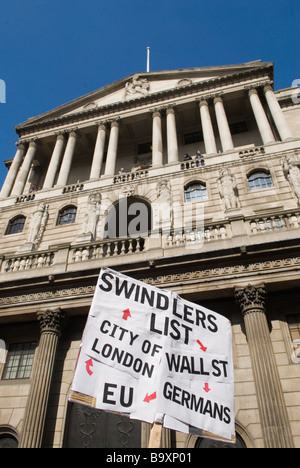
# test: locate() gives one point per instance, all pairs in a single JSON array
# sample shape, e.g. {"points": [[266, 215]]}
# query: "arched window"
{"points": [[130, 217], [210, 443], [259, 180], [196, 191], [67, 215], [15, 225]]}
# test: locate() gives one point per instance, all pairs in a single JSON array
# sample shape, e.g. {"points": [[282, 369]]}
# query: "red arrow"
{"points": [[203, 348], [126, 314], [206, 388], [89, 364], [148, 398]]}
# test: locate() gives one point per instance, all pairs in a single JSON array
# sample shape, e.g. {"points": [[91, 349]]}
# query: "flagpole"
{"points": [[148, 59]]}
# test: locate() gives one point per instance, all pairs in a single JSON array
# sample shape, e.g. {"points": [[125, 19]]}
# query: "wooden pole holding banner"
{"points": [[155, 436]]}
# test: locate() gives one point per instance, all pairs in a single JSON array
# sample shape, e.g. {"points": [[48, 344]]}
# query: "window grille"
{"points": [[19, 361]]}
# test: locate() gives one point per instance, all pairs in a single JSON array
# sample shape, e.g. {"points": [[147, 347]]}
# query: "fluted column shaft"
{"points": [[207, 128], [273, 414], [55, 161], [98, 151], [33, 426], [172, 136], [13, 171], [157, 146], [110, 167], [25, 168]]}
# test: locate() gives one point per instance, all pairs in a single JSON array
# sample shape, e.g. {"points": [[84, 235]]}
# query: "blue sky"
{"points": [[53, 51]]}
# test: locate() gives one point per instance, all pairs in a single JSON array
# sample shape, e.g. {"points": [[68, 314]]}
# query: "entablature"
{"points": [[181, 93]]}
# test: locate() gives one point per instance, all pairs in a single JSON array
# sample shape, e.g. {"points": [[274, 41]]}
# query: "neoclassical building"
{"points": [[186, 179]]}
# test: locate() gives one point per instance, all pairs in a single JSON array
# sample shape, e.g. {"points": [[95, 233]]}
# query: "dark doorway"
{"points": [[87, 427]]}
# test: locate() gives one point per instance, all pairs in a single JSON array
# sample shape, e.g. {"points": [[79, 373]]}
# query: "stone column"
{"points": [[260, 117], [33, 426], [110, 167], [67, 159], [277, 114], [172, 136], [25, 168], [157, 147], [224, 130], [273, 414], [98, 151], [13, 171], [207, 128], [55, 161]]}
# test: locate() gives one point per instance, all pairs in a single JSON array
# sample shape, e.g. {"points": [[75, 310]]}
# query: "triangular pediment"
{"points": [[141, 85]]}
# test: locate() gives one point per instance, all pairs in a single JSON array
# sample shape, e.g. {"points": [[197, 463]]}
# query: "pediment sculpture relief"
{"points": [[136, 87]]}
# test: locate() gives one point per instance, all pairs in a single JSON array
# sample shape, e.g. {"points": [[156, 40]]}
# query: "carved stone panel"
{"points": [[91, 428]]}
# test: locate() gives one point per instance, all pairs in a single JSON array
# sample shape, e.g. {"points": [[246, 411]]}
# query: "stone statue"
{"points": [[228, 189], [91, 217], [38, 224], [291, 171], [163, 191], [137, 87], [164, 215]]}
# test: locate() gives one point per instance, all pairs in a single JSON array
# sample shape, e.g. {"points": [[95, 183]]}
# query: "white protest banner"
{"points": [[153, 356]]}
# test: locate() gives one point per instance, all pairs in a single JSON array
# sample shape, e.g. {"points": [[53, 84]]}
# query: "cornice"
{"points": [[104, 111], [238, 269]]}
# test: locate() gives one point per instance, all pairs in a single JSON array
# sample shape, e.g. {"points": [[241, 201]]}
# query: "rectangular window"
{"points": [[145, 148], [19, 361], [238, 127], [194, 137]]}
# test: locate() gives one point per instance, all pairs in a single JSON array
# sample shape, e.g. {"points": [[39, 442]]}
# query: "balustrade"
{"points": [[188, 238], [109, 248], [208, 233], [130, 176], [29, 262], [268, 223]]}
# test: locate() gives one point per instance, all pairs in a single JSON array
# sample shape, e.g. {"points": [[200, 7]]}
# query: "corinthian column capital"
{"points": [[74, 132], [268, 86], [204, 101], [251, 298], [170, 109], [101, 125], [51, 321], [114, 122]]}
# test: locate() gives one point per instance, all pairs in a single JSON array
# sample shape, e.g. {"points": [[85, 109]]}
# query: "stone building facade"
{"points": [[221, 229]]}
